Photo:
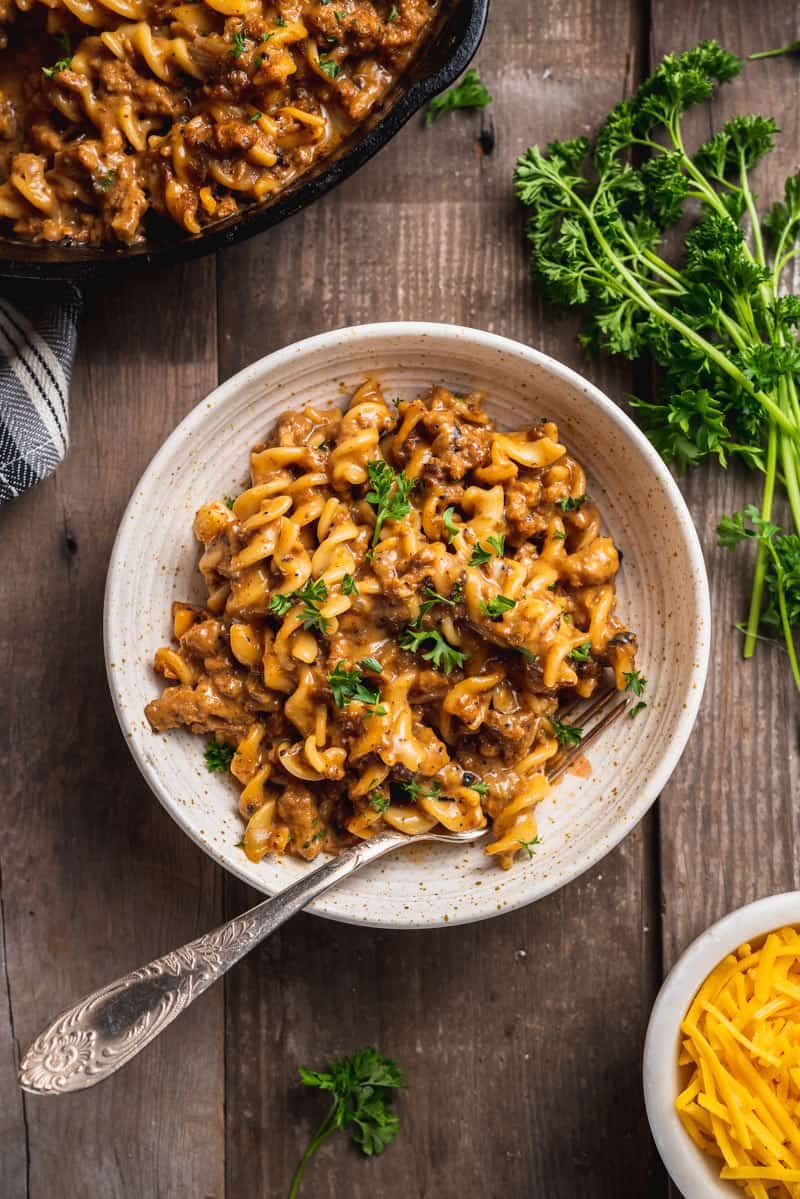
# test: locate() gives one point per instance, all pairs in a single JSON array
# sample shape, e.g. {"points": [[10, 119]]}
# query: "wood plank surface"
{"points": [[522, 1068]]}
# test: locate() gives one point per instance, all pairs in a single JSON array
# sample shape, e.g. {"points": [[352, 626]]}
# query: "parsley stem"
{"points": [[646, 300], [754, 616], [326, 1128]]}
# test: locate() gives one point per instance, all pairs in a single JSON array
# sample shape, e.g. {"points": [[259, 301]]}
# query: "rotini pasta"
{"points": [[112, 110], [397, 605]]}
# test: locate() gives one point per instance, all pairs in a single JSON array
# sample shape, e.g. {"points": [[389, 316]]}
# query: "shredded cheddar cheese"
{"points": [[740, 1050]]}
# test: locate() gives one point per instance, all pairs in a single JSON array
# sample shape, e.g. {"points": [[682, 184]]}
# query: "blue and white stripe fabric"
{"points": [[38, 335]]}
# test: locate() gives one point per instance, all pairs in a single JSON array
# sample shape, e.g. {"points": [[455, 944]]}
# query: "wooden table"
{"points": [[522, 1037]]}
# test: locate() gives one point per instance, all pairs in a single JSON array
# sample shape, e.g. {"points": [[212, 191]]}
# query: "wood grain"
{"points": [[521, 1037], [512, 1033], [96, 878], [729, 818]]}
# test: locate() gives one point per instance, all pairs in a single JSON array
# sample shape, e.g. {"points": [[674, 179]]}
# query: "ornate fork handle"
{"points": [[106, 1029]]}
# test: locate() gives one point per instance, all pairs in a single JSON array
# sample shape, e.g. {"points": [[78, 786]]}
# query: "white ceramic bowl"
{"points": [[663, 593], [695, 1173]]}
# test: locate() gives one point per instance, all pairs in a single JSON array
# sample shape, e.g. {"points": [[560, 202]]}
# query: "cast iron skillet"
{"points": [[457, 33]]}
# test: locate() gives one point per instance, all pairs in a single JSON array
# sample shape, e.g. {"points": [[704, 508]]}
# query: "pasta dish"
{"points": [[111, 110], [398, 605]]}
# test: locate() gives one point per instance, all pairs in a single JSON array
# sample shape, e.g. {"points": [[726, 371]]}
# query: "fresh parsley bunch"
{"points": [[716, 322], [362, 1091]]}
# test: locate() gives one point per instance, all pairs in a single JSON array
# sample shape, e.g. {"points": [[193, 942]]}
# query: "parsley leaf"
{"points": [[635, 681], [371, 664], [328, 66], [481, 787], [348, 685], [637, 708], [711, 316], [63, 64], [218, 756], [388, 495], [379, 802], [529, 846], [497, 606], [565, 734], [581, 652], [480, 554], [469, 92], [362, 1093], [449, 524], [349, 586], [280, 604], [425, 790], [239, 45], [571, 502], [105, 181], [310, 596], [445, 657]]}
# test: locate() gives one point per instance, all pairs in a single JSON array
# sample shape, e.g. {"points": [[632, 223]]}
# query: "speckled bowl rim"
{"points": [[694, 1172], [629, 433]]}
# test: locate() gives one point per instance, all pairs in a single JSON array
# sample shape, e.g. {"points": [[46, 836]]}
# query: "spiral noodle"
{"points": [[397, 604], [194, 110]]}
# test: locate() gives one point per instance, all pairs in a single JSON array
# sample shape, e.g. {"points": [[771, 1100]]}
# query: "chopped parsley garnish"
{"points": [[571, 503], [328, 66], [266, 36], [104, 182], [388, 495], [310, 597], [64, 63], [349, 586], [581, 652], [445, 657], [558, 535], [393, 13], [426, 790], [634, 681], [229, 501], [256, 116], [218, 756], [481, 787], [497, 606], [239, 45], [449, 523], [637, 708], [348, 685], [314, 592], [432, 598], [371, 664], [379, 802], [317, 836], [530, 845], [280, 23], [470, 92], [280, 604], [565, 734], [527, 654], [480, 554], [362, 1092]]}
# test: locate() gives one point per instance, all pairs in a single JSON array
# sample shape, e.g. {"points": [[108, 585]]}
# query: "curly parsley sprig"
{"points": [[716, 324], [388, 495], [362, 1089]]}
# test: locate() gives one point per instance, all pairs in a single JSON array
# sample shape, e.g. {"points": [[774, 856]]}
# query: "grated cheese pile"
{"points": [[741, 1045]]}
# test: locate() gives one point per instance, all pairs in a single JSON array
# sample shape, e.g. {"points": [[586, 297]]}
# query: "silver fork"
{"points": [[99, 1034]]}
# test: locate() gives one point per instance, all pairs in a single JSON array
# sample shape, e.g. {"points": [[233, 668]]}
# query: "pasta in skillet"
{"points": [[396, 607], [111, 110]]}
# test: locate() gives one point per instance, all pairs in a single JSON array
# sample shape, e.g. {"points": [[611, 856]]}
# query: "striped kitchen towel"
{"points": [[38, 334]]}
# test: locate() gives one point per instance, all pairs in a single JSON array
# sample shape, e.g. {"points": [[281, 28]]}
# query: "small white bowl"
{"points": [[695, 1173], [663, 595]]}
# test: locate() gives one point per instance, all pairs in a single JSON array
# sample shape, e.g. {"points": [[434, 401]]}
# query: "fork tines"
{"points": [[592, 719]]}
